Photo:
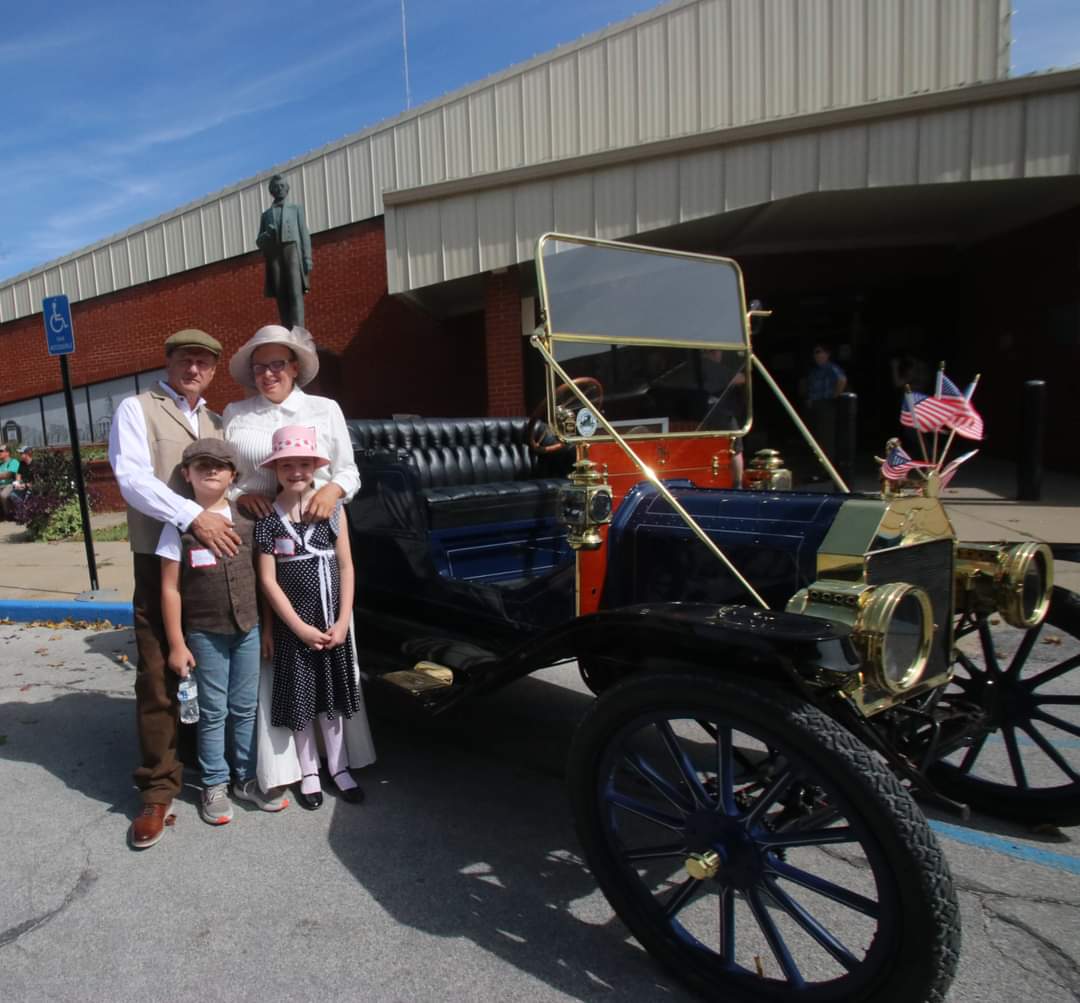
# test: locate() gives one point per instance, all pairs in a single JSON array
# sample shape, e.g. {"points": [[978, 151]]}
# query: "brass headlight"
{"points": [[1013, 580], [892, 626], [896, 627]]}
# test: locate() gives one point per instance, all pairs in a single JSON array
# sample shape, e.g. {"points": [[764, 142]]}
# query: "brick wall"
{"points": [[382, 354], [504, 344]]}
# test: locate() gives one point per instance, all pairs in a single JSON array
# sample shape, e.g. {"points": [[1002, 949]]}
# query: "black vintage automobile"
{"points": [[776, 671]]}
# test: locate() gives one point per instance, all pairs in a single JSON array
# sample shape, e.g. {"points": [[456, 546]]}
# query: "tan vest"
{"points": [[168, 434]]}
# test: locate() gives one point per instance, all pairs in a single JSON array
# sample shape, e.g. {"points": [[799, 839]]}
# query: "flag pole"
{"points": [[937, 393], [910, 401]]}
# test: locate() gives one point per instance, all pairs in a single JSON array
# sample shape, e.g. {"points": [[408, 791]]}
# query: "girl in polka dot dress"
{"points": [[306, 573]]}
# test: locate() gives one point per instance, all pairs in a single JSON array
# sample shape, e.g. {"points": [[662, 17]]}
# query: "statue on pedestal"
{"points": [[286, 245]]}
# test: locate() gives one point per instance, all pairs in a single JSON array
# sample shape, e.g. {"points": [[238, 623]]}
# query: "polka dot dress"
{"points": [[306, 682]]}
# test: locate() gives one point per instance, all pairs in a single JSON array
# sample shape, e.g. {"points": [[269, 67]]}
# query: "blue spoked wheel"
{"points": [[1026, 766], [758, 849]]}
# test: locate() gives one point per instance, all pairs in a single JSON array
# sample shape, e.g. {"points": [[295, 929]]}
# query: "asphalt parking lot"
{"points": [[460, 878]]}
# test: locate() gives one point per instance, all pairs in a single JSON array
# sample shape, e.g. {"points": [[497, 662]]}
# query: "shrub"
{"points": [[51, 510]]}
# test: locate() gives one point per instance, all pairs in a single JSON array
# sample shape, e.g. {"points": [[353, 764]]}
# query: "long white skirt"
{"points": [[278, 764]]}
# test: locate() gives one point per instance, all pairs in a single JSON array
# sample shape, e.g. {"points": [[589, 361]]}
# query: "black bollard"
{"points": [[847, 411], [1029, 455]]}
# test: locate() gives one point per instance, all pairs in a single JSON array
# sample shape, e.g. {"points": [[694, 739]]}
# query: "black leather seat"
{"points": [[469, 471]]}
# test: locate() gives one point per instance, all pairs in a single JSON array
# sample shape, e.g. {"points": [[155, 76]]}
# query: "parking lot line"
{"points": [[998, 844]]}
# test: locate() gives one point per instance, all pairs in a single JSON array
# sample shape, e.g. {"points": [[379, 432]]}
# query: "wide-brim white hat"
{"points": [[298, 341]]}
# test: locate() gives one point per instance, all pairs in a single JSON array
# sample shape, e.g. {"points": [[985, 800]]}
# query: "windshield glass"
{"points": [[656, 340], [624, 293]]}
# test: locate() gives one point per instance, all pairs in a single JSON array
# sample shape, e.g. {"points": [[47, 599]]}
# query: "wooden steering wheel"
{"points": [[541, 440]]}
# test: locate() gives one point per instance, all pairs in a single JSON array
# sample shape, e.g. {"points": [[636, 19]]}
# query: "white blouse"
{"points": [[250, 425]]}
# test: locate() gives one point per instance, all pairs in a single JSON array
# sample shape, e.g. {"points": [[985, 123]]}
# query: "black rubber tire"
{"points": [[1059, 805], [913, 953]]}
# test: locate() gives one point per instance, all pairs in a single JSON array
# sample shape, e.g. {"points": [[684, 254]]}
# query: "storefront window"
{"points": [[21, 422], [56, 422], [148, 380], [104, 400]]}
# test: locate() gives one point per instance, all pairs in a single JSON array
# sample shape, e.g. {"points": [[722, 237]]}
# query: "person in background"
{"points": [[910, 372], [725, 382], [9, 470], [146, 443], [23, 479], [825, 381]]}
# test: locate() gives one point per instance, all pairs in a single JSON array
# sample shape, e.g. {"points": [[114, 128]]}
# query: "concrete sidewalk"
{"points": [[982, 508], [42, 581]]}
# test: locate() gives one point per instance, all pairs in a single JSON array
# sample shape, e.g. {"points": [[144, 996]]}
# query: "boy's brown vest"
{"points": [[168, 433], [220, 598]]}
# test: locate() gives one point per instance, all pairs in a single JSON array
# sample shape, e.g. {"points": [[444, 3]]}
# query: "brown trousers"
{"points": [[159, 776]]}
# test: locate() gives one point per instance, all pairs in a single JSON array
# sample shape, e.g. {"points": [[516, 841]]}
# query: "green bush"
{"points": [[51, 509], [64, 522]]}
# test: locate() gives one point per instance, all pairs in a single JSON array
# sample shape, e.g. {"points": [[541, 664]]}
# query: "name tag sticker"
{"points": [[202, 559], [285, 546]]}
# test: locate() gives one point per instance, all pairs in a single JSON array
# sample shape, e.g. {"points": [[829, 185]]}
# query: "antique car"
{"points": [[779, 673]]}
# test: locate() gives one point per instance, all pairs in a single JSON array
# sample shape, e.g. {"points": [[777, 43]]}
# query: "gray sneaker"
{"points": [[215, 808], [248, 790]]}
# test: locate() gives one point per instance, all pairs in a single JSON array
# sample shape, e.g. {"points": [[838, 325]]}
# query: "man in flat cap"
{"points": [[286, 245], [146, 443]]}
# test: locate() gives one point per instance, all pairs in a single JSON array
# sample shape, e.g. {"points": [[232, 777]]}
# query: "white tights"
{"points": [[337, 759]]}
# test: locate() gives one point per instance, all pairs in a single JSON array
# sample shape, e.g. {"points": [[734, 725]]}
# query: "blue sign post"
{"points": [[59, 333], [60, 337]]}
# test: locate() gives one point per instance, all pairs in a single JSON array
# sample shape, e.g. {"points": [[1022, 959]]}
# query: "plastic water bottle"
{"points": [[188, 692]]}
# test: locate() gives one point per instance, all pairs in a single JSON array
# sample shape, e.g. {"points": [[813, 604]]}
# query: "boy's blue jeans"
{"points": [[227, 673]]}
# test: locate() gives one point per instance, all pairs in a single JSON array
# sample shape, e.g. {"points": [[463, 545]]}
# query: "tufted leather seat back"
{"points": [[447, 452]]}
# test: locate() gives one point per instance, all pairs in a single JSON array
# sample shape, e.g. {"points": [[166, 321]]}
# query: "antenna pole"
{"points": [[405, 54]]}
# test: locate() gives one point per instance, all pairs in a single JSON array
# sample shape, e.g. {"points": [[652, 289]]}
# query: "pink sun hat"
{"points": [[294, 441]]}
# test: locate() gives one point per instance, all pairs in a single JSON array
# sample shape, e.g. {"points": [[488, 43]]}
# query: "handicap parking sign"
{"points": [[59, 334]]}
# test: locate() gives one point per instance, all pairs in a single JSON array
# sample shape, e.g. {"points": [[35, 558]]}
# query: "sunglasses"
{"points": [[276, 366]]}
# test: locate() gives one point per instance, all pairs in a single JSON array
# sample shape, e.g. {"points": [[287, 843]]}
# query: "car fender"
{"points": [[702, 636]]}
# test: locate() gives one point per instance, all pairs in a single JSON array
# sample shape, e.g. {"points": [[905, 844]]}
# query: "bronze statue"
{"points": [[286, 245]]}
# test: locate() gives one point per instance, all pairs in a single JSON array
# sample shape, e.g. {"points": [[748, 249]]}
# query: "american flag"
{"points": [[927, 414], [947, 408], [963, 417], [897, 464], [910, 414], [950, 468]]}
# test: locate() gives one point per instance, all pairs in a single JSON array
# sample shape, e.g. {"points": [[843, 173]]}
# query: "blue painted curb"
{"points": [[27, 610]]}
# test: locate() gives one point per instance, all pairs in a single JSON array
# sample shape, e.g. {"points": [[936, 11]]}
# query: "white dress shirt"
{"points": [[250, 426], [170, 545], [133, 466]]}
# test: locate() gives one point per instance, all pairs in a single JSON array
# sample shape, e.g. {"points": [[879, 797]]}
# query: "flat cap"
{"points": [[211, 449], [192, 338]]}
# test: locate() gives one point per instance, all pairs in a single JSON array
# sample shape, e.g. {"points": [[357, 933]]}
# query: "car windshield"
{"points": [[656, 340]]}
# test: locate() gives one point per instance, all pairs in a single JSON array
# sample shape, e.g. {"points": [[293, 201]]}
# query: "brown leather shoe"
{"points": [[149, 825]]}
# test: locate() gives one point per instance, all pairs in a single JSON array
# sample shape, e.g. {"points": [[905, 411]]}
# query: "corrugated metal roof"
{"points": [[682, 68], [1026, 128]]}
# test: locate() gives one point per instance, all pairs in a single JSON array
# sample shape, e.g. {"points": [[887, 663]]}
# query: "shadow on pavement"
{"points": [[85, 740], [467, 833], [112, 644]]}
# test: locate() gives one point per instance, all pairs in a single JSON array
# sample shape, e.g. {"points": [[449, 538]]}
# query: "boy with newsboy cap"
{"points": [[147, 438], [211, 613]]}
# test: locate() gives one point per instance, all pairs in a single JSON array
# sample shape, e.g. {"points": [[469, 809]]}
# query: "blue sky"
{"points": [[118, 112]]}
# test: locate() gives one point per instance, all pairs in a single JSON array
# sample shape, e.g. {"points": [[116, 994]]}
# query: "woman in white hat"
{"points": [[276, 363]]}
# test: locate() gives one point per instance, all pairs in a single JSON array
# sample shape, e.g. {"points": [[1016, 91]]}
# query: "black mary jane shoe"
{"points": [[354, 795], [309, 801]]}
